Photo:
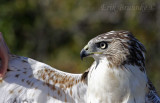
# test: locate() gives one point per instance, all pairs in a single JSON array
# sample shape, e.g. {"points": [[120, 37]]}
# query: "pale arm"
{"points": [[3, 56]]}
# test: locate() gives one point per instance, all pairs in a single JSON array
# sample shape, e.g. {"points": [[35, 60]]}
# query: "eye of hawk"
{"points": [[102, 45]]}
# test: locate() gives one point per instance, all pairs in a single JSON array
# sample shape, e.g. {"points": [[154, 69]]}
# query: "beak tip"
{"points": [[82, 54]]}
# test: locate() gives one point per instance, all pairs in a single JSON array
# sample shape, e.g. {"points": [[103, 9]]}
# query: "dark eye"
{"points": [[102, 45]]}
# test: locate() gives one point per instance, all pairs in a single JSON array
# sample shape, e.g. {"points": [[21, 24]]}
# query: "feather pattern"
{"points": [[152, 96], [31, 81]]}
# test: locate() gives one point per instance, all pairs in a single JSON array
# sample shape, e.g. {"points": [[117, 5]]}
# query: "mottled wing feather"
{"points": [[152, 96], [35, 82]]}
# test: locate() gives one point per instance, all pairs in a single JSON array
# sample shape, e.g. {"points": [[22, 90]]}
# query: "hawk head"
{"points": [[119, 47]]}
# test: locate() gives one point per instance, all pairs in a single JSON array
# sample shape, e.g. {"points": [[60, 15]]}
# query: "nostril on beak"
{"points": [[86, 48]]}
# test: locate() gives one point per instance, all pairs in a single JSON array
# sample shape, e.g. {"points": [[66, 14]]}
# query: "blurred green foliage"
{"points": [[54, 31]]}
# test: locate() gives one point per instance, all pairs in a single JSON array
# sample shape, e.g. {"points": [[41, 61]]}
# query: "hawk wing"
{"points": [[152, 96], [31, 81]]}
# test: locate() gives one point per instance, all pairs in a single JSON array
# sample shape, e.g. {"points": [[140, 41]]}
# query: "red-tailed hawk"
{"points": [[117, 76]]}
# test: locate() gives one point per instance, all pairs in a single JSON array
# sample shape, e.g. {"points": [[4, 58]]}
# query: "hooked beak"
{"points": [[84, 52]]}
